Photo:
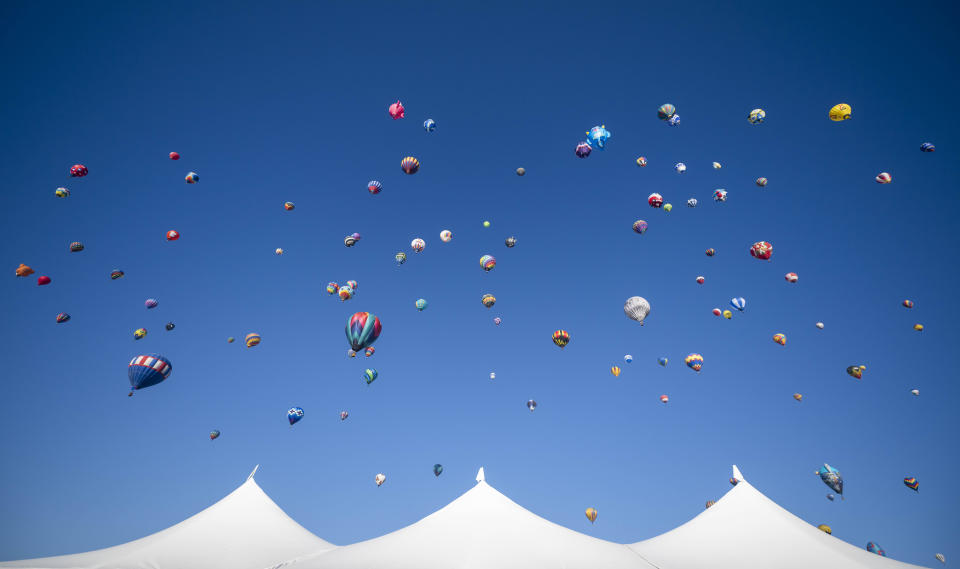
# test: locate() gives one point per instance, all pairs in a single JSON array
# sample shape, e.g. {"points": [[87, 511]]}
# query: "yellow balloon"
{"points": [[825, 529], [727, 314], [840, 112], [615, 371], [591, 514]]}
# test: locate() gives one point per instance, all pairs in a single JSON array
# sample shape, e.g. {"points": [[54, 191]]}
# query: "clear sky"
{"points": [[287, 101]]}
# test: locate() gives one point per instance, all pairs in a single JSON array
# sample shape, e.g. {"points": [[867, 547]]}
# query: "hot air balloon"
{"points": [[446, 235], [288, 206], [24, 270], [591, 514], [680, 167], [174, 156], [192, 178], [374, 187], [62, 317], [655, 200], [561, 338], [598, 136], [510, 241], [874, 548], [701, 279], [62, 192], [709, 503], [918, 327], [172, 235], [429, 125], [636, 308], [294, 415], [640, 226], [278, 251], [662, 361], [832, 478], [369, 351], [664, 399], [615, 371], [78, 171], [674, 120], [628, 358], [497, 320], [380, 479], [720, 195], [717, 312], [488, 300], [911, 483], [332, 288], [362, 330], [531, 405], [642, 161], [941, 558], [692, 202], [883, 178], [252, 339], [820, 325], [410, 165], [400, 257], [840, 112], [493, 375], [170, 326], [734, 481], [856, 371], [396, 110], [147, 370], [437, 469], [151, 303], [666, 111], [710, 252], [825, 529], [351, 354], [739, 303], [717, 166], [230, 340], [418, 244], [927, 147], [791, 277], [139, 333], [694, 362], [214, 434], [344, 415], [727, 314], [583, 150], [780, 339], [369, 375], [667, 207], [487, 262], [761, 182], [798, 396], [756, 116], [908, 304], [349, 241], [521, 171], [420, 304], [354, 285], [915, 392], [761, 250], [831, 497]]}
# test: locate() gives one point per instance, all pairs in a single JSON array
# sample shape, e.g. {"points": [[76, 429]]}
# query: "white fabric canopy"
{"points": [[481, 529], [243, 530]]}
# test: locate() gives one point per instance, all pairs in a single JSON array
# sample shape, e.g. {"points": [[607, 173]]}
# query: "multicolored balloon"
{"points": [[628, 358], [780, 339], [400, 257], [531, 405], [757, 116], [720, 195], [856, 371], [911, 483], [666, 111], [701, 279], [294, 415], [615, 370], [561, 338], [151, 303], [488, 262], [349, 241], [664, 399], [884, 178], [62, 192], [418, 245], [598, 136], [497, 320], [380, 479], [62, 317], [791, 277], [927, 147], [761, 250], [362, 330], [662, 361], [825, 529], [76, 247], [421, 304], [874, 548], [332, 288], [488, 300], [640, 226], [446, 235], [907, 303], [510, 241], [840, 112], [374, 187], [147, 370], [591, 514], [288, 206], [674, 120], [710, 252], [694, 362], [369, 351], [832, 478], [345, 293], [344, 415], [410, 165], [139, 333], [214, 434], [192, 178], [642, 161], [761, 182], [369, 375], [798, 396], [252, 339], [583, 150], [655, 200]]}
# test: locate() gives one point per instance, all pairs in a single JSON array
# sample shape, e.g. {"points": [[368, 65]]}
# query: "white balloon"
{"points": [[636, 308]]}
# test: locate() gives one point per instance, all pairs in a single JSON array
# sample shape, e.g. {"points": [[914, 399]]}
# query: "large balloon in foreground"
{"points": [[147, 370], [761, 250], [362, 330], [840, 112], [636, 308], [694, 362], [294, 415], [410, 165], [874, 548], [591, 514], [561, 338], [832, 478]]}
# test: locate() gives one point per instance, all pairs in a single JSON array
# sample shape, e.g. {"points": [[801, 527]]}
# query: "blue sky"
{"points": [[287, 102]]}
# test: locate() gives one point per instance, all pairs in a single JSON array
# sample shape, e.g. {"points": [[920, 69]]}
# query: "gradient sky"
{"points": [[270, 102]]}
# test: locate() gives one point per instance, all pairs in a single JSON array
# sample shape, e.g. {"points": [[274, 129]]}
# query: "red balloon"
{"points": [[172, 235], [174, 156], [701, 280], [78, 171], [43, 280]]}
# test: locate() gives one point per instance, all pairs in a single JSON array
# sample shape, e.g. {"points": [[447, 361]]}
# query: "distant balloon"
{"points": [[252, 339], [76, 247], [278, 251], [825, 529], [351, 354], [710, 252], [761, 182], [874, 548], [655, 200], [486, 224], [756, 116], [832, 478], [680, 167], [720, 195], [421, 304], [662, 361], [437, 469], [664, 399], [701, 279], [192, 178], [791, 277], [717, 312], [151, 303], [531, 405], [941, 558], [640, 226], [561, 338], [820, 325], [172, 235], [214, 434], [692, 202], [666, 111], [62, 317], [628, 358], [344, 415], [380, 479], [429, 125], [410, 165], [139, 333], [288, 206], [369, 351], [636, 308], [907, 303], [918, 327], [831, 497], [446, 235], [591, 514], [717, 166], [493, 375], [840, 112], [396, 110], [667, 207], [915, 392], [911, 483], [510, 241], [734, 481], [739, 303], [615, 370], [345, 293], [488, 300], [798, 396], [294, 415], [497, 320], [374, 187], [641, 161], [727, 314], [332, 288], [417, 245], [709, 503], [927, 147], [488, 262], [400, 257], [354, 285], [761, 250], [230, 340], [583, 150], [147, 370], [694, 362], [370, 375], [349, 241], [883, 178], [780, 339], [78, 171], [598, 136], [174, 156], [362, 330], [521, 171], [674, 120], [856, 371], [170, 326], [62, 192]]}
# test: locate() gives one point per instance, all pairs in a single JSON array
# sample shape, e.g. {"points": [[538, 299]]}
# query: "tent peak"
{"points": [[480, 476], [255, 468], [736, 474]]}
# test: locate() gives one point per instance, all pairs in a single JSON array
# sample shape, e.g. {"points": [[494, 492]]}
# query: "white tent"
{"points": [[480, 529], [243, 530]]}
